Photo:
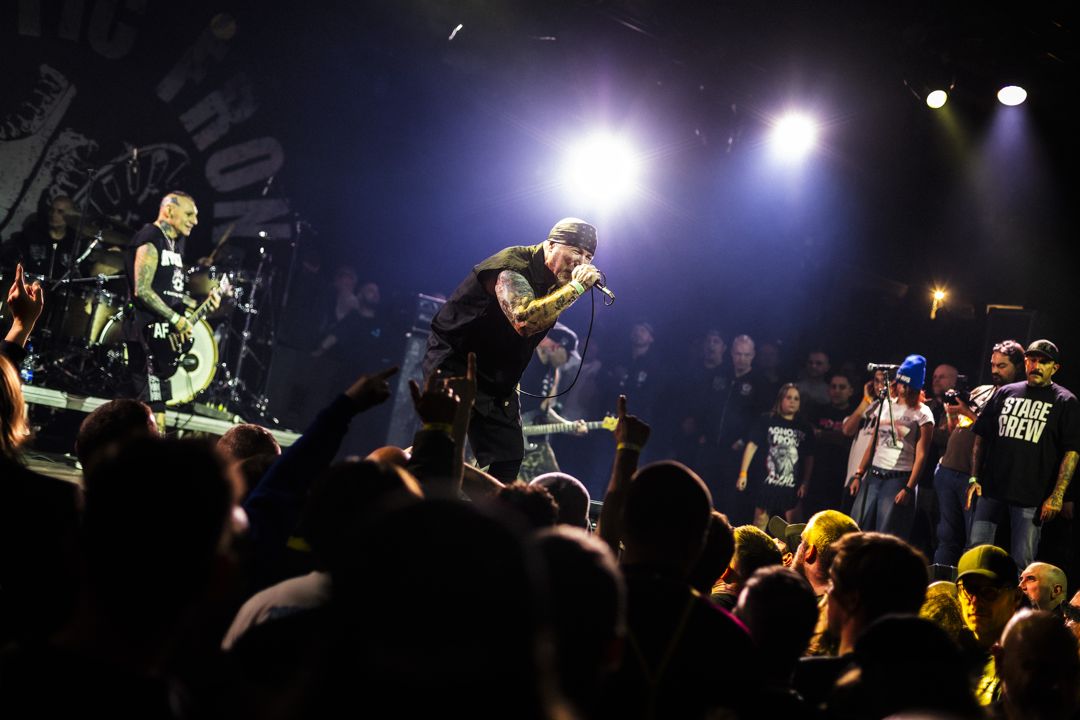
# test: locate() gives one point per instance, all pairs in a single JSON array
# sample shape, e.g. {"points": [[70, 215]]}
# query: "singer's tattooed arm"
{"points": [[527, 313], [146, 264]]}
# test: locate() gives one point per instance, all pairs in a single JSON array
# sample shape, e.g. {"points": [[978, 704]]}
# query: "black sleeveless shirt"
{"points": [[472, 321], [170, 281]]}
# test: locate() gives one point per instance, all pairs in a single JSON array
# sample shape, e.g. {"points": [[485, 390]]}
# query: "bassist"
{"points": [[559, 362], [157, 284]]}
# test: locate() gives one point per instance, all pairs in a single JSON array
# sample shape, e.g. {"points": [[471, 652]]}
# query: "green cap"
{"points": [[791, 533], [989, 561]]}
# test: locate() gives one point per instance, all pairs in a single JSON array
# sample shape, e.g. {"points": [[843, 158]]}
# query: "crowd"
{"points": [[240, 579]]}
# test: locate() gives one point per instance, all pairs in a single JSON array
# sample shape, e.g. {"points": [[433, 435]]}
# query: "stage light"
{"points": [[937, 99], [793, 136], [1012, 95], [939, 296], [602, 169]]}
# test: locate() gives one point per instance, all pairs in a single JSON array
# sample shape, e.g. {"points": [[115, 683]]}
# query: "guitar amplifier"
{"points": [[403, 420]]}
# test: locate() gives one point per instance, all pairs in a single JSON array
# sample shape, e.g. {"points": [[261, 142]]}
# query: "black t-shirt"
{"points": [[832, 447], [783, 446], [685, 656], [34, 248], [727, 404], [170, 280], [639, 379], [472, 321], [1026, 430]]}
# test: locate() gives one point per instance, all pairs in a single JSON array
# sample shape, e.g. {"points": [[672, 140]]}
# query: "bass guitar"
{"points": [[167, 346]]}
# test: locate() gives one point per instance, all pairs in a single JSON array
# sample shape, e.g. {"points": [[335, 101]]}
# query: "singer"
{"points": [[501, 312]]}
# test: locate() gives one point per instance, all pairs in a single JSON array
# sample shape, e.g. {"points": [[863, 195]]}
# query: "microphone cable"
{"points": [[585, 349]]}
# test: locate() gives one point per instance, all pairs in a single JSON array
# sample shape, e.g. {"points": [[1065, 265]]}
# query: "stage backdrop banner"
{"points": [[115, 102]]}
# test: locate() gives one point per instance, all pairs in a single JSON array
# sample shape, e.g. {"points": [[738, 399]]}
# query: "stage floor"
{"points": [[59, 465]]}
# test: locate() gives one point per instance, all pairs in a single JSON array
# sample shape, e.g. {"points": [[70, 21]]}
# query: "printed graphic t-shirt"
{"points": [[1026, 430], [785, 444], [909, 423]]}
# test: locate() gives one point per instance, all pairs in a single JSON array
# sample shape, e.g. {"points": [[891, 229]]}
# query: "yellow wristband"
{"points": [[628, 446], [578, 287], [444, 427], [742, 473]]}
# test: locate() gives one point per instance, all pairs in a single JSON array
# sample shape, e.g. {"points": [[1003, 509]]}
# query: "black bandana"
{"points": [[576, 232]]}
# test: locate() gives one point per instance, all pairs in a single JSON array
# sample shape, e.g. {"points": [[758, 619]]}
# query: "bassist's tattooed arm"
{"points": [[527, 313], [146, 265]]}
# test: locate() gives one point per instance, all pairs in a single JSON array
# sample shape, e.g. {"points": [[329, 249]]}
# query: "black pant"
{"points": [[495, 435], [143, 384]]}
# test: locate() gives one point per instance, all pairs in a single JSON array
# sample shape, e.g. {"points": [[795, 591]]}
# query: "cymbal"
{"points": [[106, 261], [112, 232]]}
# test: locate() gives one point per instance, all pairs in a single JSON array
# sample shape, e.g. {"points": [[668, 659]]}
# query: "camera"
{"points": [[960, 393]]}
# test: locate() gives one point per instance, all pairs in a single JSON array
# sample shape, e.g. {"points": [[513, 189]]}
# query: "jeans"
{"points": [[875, 506], [954, 523], [1025, 533]]}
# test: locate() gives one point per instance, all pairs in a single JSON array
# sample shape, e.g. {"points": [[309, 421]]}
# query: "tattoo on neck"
{"points": [[168, 229]]}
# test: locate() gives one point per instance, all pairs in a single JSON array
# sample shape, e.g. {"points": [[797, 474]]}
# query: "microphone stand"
{"points": [[883, 399]]}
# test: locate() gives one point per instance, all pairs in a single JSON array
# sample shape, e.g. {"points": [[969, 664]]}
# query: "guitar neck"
{"points": [[199, 312], [556, 428]]}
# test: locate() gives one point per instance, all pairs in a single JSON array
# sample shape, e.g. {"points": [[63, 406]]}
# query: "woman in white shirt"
{"points": [[885, 485]]}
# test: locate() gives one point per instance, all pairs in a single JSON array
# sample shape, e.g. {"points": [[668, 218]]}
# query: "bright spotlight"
{"points": [[1012, 95], [602, 169], [937, 99], [939, 296], [794, 135]]}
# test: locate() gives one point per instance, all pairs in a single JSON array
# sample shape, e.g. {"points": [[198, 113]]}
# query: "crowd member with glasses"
{"points": [[989, 595]]}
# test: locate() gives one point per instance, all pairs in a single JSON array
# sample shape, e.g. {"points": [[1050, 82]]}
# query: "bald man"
{"points": [[1044, 585], [157, 284]]}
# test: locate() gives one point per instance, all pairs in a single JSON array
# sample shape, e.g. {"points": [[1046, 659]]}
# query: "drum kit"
{"points": [[79, 346]]}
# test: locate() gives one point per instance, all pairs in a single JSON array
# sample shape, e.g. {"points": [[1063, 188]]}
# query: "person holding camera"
{"points": [[962, 408]]}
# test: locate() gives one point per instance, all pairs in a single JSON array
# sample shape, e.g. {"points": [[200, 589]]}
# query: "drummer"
{"points": [[46, 245]]}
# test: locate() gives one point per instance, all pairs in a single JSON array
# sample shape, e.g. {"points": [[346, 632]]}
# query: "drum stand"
{"points": [[238, 396], [79, 364]]}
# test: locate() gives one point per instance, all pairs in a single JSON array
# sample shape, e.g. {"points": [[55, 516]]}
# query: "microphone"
{"points": [[133, 161], [266, 187], [874, 367], [603, 288]]}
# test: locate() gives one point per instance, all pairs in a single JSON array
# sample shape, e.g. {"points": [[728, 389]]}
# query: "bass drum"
{"points": [[197, 368]]}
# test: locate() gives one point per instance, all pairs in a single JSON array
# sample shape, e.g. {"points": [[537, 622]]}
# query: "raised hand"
{"points": [[371, 390], [435, 404], [464, 386], [630, 430], [26, 301]]}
